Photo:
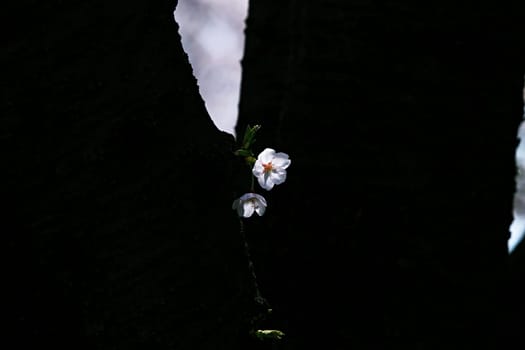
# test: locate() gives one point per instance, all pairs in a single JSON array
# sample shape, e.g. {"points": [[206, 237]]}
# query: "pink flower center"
{"points": [[267, 167]]}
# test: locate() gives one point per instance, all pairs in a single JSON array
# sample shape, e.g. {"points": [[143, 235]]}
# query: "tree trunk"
{"points": [[401, 120], [119, 232]]}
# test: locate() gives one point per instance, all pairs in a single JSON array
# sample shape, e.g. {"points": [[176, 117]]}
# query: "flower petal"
{"points": [[258, 169], [246, 196], [260, 198], [240, 210], [266, 156], [236, 203], [260, 210], [260, 204], [248, 209], [281, 160], [278, 177], [265, 181]]}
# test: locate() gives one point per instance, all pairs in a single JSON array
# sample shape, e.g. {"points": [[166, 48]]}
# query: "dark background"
{"points": [[390, 232]]}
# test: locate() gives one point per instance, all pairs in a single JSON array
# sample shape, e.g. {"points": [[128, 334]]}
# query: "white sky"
{"points": [[517, 229], [212, 34]]}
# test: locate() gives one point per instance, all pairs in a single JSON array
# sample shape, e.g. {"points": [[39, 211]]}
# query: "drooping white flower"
{"points": [[270, 168], [249, 203]]}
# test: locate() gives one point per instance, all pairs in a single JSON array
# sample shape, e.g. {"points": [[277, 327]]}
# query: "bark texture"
{"points": [[119, 232], [400, 119]]}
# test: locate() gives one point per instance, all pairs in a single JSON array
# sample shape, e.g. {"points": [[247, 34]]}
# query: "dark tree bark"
{"points": [[119, 232], [401, 120]]}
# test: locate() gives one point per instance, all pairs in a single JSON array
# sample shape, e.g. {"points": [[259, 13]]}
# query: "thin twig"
{"points": [[258, 296]]}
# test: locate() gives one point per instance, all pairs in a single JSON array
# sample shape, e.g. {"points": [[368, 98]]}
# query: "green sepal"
{"points": [[250, 161], [243, 153]]}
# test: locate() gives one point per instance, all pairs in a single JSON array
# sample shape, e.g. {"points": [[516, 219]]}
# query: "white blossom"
{"points": [[249, 203], [270, 168]]}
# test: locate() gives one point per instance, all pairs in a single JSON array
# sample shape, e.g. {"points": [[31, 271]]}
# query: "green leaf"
{"points": [[246, 135], [249, 136], [269, 334]]}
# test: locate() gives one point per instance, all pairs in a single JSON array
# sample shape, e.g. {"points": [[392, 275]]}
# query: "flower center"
{"points": [[267, 167]]}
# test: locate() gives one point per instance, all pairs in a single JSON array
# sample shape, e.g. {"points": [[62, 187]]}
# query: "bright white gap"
{"points": [[517, 229], [212, 33]]}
